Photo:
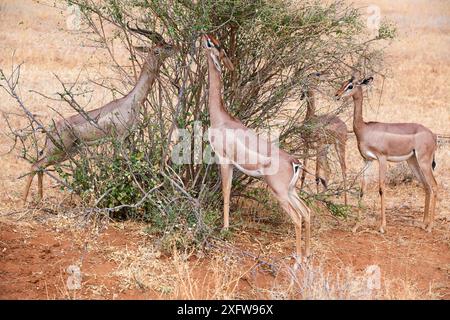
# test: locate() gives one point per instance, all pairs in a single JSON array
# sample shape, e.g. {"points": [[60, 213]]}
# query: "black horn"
{"points": [[154, 36]]}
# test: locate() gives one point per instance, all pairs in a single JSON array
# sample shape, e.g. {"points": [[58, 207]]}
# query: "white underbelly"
{"points": [[400, 158], [370, 155], [252, 173]]}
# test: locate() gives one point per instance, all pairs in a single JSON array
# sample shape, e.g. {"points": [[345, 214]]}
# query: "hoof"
{"points": [[307, 256], [298, 263], [382, 230], [356, 227], [300, 260]]}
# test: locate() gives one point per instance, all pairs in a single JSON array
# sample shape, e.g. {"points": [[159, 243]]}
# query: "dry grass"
{"points": [[179, 277], [142, 269], [399, 174]]}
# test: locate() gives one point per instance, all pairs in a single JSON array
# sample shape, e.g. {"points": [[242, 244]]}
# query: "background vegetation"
{"points": [[274, 46]]}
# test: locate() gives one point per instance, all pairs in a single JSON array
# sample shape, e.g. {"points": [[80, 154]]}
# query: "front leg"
{"points": [[322, 168], [226, 172], [40, 184], [303, 176], [362, 190], [27, 186]]}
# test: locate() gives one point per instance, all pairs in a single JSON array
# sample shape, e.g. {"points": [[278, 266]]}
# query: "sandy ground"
{"points": [[121, 261]]}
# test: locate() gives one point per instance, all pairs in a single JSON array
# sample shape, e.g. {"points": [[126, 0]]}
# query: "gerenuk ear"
{"points": [[227, 62], [367, 81]]}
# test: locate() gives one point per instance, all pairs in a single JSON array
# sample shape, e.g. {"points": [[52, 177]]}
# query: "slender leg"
{"points": [[226, 171], [340, 150], [415, 168], [362, 191], [302, 211], [302, 178], [424, 174], [433, 202], [367, 165], [317, 172], [298, 242], [37, 168], [297, 220], [294, 207], [40, 175], [382, 163], [433, 209], [426, 213], [307, 237], [322, 168], [434, 189], [326, 172], [27, 187], [431, 194]]}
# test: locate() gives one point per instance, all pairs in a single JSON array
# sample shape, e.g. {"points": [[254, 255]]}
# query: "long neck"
{"points": [[310, 105], [145, 82], [217, 110], [358, 122]]}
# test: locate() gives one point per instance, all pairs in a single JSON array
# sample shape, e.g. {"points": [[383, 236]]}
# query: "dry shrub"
{"points": [[222, 275], [274, 46], [399, 174], [401, 289], [313, 282], [143, 269], [182, 276]]}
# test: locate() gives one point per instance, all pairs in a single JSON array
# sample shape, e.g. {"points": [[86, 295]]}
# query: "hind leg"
{"points": [[40, 175], [317, 174], [434, 187], [27, 187], [286, 199], [417, 171], [363, 187], [362, 191], [226, 171], [381, 180], [282, 186], [301, 210]]}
